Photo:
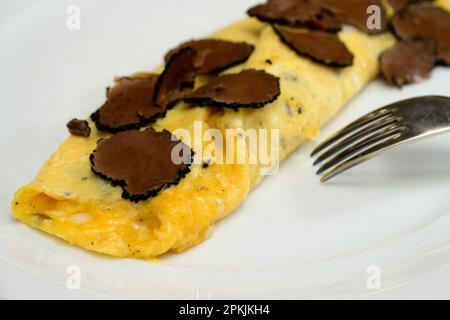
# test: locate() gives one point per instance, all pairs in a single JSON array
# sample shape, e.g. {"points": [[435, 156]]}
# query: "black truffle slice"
{"points": [[177, 79], [408, 61], [79, 128], [141, 162], [247, 89], [322, 47], [397, 5], [129, 105], [214, 56], [418, 22], [354, 13], [296, 13]]}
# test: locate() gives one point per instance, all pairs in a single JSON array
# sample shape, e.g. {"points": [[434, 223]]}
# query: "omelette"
{"points": [[69, 201]]}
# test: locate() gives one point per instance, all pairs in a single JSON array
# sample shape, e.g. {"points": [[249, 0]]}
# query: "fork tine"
{"points": [[359, 123], [346, 153], [367, 132], [362, 157]]}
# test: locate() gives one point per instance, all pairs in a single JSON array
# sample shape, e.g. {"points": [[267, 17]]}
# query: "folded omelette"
{"points": [[69, 201]]}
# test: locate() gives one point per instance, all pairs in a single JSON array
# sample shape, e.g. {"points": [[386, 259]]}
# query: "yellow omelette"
{"points": [[68, 201]]}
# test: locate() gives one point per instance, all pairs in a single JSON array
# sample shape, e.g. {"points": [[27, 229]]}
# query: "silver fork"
{"points": [[382, 130]]}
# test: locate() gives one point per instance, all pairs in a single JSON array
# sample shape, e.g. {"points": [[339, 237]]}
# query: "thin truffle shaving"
{"points": [[214, 56], [408, 61], [397, 5], [129, 106], [247, 89], [356, 14], [177, 79], [425, 23], [296, 13], [322, 47], [141, 162]]}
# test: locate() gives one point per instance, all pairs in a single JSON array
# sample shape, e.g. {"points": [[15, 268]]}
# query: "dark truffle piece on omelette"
{"points": [[296, 13], [177, 79], [323, 47], [79, 128], [129, 106], [214, 56], [355, 13], [247, 89], [408, 61], [141, 162], [397, 5], [425, 22]]}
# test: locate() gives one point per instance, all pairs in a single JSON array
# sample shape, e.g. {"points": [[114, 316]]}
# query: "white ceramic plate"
{"points": [[292, 238]]}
